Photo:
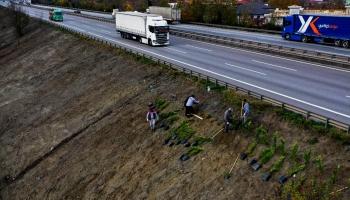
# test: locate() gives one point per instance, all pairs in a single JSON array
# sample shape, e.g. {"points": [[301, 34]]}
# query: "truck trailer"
{"points": [[168, 13], [318, 29], [146, 28]]}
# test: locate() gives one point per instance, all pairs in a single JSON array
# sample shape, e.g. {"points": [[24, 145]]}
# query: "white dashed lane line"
{"points": [[273, 65], [198, 47], [235, 66]]}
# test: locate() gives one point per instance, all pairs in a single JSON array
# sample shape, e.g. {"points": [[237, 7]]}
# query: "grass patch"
{"points": [[194, 151]]}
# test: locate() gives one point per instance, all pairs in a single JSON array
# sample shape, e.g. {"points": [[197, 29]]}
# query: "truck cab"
{"points": [[56, 15], [158, 31]]}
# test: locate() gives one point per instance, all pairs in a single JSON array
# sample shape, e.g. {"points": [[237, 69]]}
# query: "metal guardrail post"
{"points": [[307, 115], [326, 123]]}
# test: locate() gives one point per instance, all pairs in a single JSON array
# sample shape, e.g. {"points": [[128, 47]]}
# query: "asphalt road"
{"points": [[244, 35], [320, 89], [263, 38]]}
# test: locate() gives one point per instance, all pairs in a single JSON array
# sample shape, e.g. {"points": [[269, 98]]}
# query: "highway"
{"points": [[318, 88], [243, 35], [263, 38]]}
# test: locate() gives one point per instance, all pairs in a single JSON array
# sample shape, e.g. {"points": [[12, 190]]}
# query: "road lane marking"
{"points": [[108, 32], [229, 78], [322, 66], [245, 69], [274, 65], [198, 47], [348, 96], [172, 49]]}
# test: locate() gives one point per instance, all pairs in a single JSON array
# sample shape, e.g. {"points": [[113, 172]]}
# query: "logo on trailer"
{"points": [[310, 22]]}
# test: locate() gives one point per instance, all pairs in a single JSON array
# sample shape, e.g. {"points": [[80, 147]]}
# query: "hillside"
{"points": [[72, 126]]}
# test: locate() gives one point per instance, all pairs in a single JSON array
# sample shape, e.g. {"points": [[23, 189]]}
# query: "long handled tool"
{"points": [[212, 137], [227, 176], [199, 117]]}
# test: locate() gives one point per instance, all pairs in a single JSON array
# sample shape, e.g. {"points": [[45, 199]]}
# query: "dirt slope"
{"points": [[56, 86]]}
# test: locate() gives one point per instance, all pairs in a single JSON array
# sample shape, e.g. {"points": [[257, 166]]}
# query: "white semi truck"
{"points": [[146, 28], [170, 14]]}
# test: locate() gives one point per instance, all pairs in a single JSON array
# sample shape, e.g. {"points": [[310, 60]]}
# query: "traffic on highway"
{"points": [[314, 87]]}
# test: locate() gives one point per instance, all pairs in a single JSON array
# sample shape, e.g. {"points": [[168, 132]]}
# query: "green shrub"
{"points": [[161, 104], [251, 148], [319, 163], [266, 155], [280, 148], [194, 151], [333, 178], [276, 167], [307, 157], [296, 168], [261, 135], [293, 154], [202, 140], [183, 132]]}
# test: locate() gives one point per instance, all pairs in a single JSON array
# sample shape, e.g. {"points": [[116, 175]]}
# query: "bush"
{"points": [[251, 148], [261, 135], [266, 155], [161, 104], [280, 148], [276, 167], [194, 151], [307, 157], [319, 163], [202, 140], [293, 154], [183, 132], [296, 168]]}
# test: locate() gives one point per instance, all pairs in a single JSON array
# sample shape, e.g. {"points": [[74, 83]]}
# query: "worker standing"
{"points": [[228, 118], [189, 105], [152, 116], [245, 110]]}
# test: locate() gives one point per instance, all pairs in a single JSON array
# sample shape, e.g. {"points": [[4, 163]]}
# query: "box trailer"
{"points": [[168, 13], [318, 29], [146, 28]]}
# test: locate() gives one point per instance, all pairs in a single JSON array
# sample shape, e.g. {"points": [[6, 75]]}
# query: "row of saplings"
{"points": [[274, 153]]}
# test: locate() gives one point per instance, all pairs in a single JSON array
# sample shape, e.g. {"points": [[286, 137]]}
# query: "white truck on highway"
{"points": [[146, 28], [170, 14]]}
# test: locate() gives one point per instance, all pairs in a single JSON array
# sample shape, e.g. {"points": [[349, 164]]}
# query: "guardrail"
{"points": [[81, 9], [236, 28], [307, 114], [331, 59]]}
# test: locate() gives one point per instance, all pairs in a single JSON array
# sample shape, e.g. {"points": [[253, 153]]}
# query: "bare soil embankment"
{"points": [[56, 86]]}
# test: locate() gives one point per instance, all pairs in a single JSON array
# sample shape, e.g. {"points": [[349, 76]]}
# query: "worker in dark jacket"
{"points": [[228, 118], [189, 105]]}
